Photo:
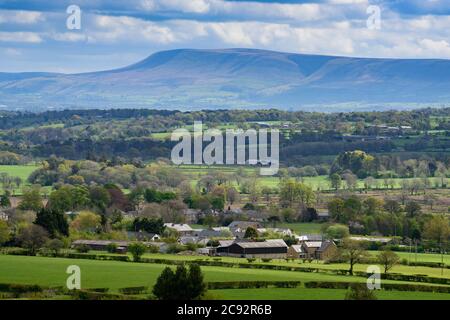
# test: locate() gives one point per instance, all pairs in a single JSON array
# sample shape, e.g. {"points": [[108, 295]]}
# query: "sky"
{"points": [[34, 35]]}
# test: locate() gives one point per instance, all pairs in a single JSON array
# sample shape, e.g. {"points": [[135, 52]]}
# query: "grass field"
{"points": [[115, 275], [317, 294], [22, 172], [421, 257]]}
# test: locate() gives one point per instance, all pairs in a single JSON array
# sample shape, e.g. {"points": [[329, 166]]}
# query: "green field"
{"points": [[114, 275], [318, 294], [22, 172]]}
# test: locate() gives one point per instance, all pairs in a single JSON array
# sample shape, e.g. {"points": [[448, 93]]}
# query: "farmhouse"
{"points": [[274, 249], [319, 250], [296, 251]]}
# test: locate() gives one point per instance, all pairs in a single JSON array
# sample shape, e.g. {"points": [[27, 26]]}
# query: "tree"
{"points": [[353, 252], [53, 221], [54, 245], [337, 231], [413, 209], [137, 249], [32, 237], [392, 206], [100, 197], [5, 234], [31, 199], [87, 221], [149, 225], [183, 284], [4, 200], [388, 259], [251, 233], [336, 181], [437, 229], [336, 209]]}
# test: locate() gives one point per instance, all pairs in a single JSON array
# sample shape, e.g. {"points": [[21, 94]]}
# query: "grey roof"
{"points": [[243, 224], [225, 243], [298, 248], [265, 244], [179, 227], [313, 244]]}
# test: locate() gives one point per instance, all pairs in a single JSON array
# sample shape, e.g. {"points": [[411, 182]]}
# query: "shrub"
{"points": [[153, 249], [112, 247], [137, 249], [250, 260], [360, 292], [82, 248], [266, 259]]}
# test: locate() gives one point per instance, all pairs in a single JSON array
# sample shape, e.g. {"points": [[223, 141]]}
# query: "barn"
{"points": [[274, 249]]}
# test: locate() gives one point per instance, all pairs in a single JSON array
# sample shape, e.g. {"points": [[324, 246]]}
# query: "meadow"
{"points": [[114, 275], [21, 171]]}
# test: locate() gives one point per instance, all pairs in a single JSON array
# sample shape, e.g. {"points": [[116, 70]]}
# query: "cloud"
{"points": [[21, 17], [26, 37]]}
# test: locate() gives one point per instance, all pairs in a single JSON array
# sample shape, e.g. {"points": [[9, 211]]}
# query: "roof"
{"points": [[310, 237], [179, 227], [313, 244], [225, 243], [243, 224], [298, 248], [325, 245], [265, 244]]}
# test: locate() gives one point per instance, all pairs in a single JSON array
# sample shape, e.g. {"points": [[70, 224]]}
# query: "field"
{"points": [[318, 294], [22, 172], [115, 275]]}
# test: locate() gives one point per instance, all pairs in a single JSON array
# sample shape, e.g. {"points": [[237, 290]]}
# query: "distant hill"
{"points": [[236, 78]]}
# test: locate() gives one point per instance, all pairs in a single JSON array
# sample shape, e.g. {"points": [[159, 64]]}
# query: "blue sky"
{"points": [[34, 36]]}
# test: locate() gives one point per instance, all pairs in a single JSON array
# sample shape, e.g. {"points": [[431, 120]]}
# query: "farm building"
{"points": [[274, 249], [319, 250], [296, 251]]}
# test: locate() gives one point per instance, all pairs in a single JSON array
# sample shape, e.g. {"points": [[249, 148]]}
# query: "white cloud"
{"points": [[27, 37], [21, 17], [190, 6]]}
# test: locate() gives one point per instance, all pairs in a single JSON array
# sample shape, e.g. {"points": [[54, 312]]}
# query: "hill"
{"points": [[236, 78]]}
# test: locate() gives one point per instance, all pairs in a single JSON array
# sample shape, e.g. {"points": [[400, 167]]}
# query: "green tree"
{"points": [[31, 199], [336, 209], [353, 252], [183, 284], [388, 259], [5, 233], [4, 200], [336, 181], [251, 233], [437, 229], [137, 249], [337, 231], [53, 221], [413, 209], [87, 221]]}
